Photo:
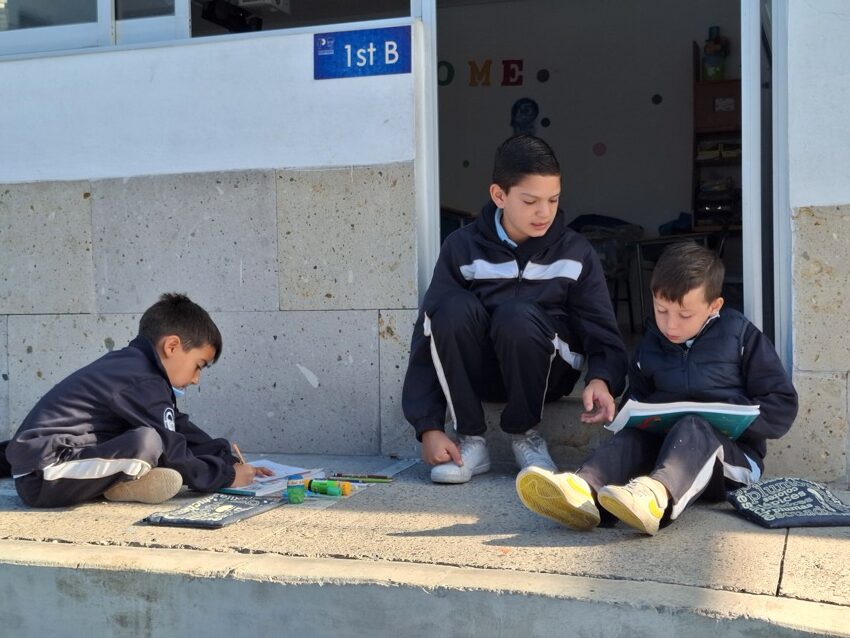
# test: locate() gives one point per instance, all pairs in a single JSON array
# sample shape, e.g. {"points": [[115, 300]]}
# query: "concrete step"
{"points": [[162, 593], [570, 441], [412, 558]]}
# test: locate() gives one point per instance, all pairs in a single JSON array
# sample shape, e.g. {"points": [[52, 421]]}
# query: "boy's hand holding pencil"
{"points": [[245, 472]]}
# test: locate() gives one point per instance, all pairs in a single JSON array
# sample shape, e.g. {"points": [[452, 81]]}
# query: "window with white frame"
{"points": [[47, 25], [33, 26], [214, 17]]}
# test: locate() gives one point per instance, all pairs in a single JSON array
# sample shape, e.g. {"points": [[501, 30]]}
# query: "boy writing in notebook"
{"points": [[113, 428], [516, 306], [693, 350]]}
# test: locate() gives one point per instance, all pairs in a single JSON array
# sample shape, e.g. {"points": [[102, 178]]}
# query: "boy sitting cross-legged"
{"points": [[692, 351], [113, 428]]}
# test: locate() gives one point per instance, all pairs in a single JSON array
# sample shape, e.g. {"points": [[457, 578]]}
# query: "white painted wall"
{"points": [[221, 104], [818, 102], [606, 59]]}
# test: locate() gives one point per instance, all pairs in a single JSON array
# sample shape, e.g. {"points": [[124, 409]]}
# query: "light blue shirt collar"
{"points": [[690, 341], [500, 230]]}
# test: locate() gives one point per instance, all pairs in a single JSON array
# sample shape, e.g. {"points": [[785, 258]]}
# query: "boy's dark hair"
{"points": [[523, 155], [176, 314], [685, 266]]}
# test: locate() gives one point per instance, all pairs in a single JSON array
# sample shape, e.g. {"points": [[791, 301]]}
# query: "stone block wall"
{"points": [[310, 274], [5, 426], [819, 443]]}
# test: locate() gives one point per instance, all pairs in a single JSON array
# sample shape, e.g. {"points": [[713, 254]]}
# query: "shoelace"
{"points": [[641, 489], [530, 443], [468, 445]]}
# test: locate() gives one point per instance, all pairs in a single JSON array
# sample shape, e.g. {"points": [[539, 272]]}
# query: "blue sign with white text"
{"points": [[347, 54]]}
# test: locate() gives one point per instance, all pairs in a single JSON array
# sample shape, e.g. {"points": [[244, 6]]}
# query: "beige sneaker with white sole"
{"points": [[158, 485], [640, 504]]}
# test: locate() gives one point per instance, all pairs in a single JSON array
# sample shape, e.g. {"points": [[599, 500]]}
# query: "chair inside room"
{"points": [[615, 246], [730, 250]]}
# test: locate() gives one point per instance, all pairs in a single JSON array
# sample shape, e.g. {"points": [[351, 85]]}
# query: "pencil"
{"points": [[360, 479], [238, 453], [362, 476]]}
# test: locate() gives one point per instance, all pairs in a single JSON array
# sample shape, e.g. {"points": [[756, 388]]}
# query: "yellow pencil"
{"points": [[238, 453]]}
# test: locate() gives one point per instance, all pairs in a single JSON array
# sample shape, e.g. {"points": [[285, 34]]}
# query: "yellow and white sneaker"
{"points": [[565, 498], [640, 504]]}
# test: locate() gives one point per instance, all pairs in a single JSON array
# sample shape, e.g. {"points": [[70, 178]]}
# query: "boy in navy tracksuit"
{"points": [[517, 305], [692, 351], [112, 428]]}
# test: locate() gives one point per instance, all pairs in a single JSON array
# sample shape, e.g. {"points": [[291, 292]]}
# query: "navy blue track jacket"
{"points": [[730, 361], [559, 271], [122, 390]]}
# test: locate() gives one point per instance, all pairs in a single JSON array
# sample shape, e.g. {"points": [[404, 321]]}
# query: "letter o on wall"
{"points": [[445, 73]]}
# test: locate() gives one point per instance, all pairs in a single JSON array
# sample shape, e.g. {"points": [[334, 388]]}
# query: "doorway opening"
{"points": [[642, 105]]}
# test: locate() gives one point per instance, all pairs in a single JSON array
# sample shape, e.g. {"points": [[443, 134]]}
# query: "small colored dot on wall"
{"points": [[599, 149], [657, 99], [543, 75], [545, 122], [466, 163]]}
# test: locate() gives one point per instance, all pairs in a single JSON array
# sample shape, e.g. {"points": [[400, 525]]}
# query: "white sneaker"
{"points": [[530, 449], [476, 460]]}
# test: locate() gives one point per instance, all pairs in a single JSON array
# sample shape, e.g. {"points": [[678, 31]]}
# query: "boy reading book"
{"points": [[693, 351], [112, 428]]}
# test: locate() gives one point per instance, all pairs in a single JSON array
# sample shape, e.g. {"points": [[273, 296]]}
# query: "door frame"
{"points": [[428, 199], [427, 171], [782, 262], [751, 159]]}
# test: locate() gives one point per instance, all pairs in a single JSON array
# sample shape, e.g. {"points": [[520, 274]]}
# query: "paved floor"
{"points": [[478, 525]]}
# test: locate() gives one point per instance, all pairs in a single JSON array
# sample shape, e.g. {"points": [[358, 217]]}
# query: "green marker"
{"points": [[295, 489]]}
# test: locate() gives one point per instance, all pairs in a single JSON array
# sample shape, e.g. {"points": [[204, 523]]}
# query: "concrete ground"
{"points": [[413, 559]]}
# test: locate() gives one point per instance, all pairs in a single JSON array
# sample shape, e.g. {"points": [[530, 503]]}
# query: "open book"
{"points": [[729, 418], [275, 484]]}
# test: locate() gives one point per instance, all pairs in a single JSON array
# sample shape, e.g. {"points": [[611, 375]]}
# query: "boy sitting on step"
{"points": [[112, 428], [517, 303], [692, 351]]}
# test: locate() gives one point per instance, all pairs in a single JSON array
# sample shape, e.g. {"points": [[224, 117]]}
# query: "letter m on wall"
{"points": [[479, 75]]}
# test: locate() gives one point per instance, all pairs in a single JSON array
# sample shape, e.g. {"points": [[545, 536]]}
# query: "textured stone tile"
{"points": [[211, 235], [6, 429], [395, 328], [110, 524], [815, 447], [815, 566], [821, 281], [294, 382], [347, 238], [483, 524], [45, 248], [44, 349]]}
